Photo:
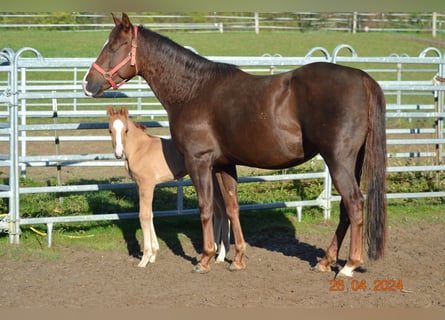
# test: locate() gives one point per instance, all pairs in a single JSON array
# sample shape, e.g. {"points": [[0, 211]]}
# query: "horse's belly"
{"points": [[269, 151]]}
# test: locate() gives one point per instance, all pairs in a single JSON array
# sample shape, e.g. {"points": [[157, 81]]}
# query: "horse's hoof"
{"points": [[321, 268], [237, 266], [199, 268]]}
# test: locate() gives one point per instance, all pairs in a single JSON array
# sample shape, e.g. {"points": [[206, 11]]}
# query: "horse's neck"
{"points": [[174, 74]]}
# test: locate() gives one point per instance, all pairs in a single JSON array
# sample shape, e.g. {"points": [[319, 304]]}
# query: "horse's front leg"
{"points": [[151, 245], [227, 181], [201, 174]]}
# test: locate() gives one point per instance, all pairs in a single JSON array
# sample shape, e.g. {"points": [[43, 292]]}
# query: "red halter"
{"points": [[108, 75]]}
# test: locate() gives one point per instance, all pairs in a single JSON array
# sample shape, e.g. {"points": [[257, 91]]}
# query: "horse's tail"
{"points": [[374, 169]]}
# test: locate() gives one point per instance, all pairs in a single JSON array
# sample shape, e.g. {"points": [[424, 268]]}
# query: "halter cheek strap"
{"points": [[108, 75]]}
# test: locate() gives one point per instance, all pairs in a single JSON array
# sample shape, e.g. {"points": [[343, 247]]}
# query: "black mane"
{"points": [[194, 63]]}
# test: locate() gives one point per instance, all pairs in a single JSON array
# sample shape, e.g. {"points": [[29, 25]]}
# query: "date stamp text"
{"points": [[377, 285]]}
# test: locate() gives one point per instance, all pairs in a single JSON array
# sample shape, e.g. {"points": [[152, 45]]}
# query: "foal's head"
{"points": [[117, 126]]}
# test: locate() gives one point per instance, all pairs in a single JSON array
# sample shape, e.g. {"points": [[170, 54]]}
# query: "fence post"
{"points": [[257, 23], [57, 143], [354, 23], [438, 101], [434, 25], [180, 196], [8, 55], [14, 204]]}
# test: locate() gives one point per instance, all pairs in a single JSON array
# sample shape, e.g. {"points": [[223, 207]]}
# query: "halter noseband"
{"points": [[108, 75]]}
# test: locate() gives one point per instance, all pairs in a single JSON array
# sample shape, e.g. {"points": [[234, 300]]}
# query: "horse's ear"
{"points": [[110, 111], [116, 19], [126, 24]]}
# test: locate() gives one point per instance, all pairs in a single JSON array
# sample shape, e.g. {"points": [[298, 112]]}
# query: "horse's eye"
{"points": [[114, 47]]}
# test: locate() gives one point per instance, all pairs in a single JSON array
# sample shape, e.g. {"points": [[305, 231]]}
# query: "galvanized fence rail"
{"points": [[41, 88], [422, 22]]}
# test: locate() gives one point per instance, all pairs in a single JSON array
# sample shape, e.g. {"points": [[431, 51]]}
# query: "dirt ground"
{"points": [[278, 275]]}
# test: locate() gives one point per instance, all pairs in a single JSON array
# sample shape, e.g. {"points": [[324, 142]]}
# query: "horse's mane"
{"points": [[194, 63], [137, 124]]}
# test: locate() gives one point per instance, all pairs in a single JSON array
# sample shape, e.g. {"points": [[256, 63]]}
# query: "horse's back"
{"points": [[286, 119]]}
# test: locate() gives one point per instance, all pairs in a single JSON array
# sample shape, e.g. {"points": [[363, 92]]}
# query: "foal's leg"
{"points": [[151, 245], [351, 214], [228, 185], [224, 246], [220, 225]]}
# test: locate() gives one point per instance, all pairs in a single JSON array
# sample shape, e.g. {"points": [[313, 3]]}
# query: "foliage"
{"points": [[126, 200]]}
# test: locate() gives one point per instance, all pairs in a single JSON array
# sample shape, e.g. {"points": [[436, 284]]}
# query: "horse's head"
{"points": [[116, 63], [117, 126]]}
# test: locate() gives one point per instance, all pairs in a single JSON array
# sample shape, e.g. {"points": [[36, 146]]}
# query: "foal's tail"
{"points": [[374, 169]]}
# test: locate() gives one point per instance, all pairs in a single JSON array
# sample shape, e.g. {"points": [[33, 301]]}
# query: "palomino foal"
{"points": [[151, 160]]}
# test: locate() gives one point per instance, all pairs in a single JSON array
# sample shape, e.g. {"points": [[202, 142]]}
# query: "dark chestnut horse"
{"points": [[221, 117]]}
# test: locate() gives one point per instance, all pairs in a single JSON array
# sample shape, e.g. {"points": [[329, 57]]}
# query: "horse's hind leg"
{"points": [[332, 251], [228, 185], [351, 213]]}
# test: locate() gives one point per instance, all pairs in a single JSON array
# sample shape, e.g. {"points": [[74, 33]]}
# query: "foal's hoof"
{"points": [[199, 268], [236, 266], [321, 268], [346, 272]]}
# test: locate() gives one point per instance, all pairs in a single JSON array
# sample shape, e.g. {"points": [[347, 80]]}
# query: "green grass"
{"points": [[176, 232], [88, 44]]}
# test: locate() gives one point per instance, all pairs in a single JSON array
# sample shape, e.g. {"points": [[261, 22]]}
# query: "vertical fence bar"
{"points": [[441, 109], [23, 134], [6, 57], [57, 144], [354, 23], [257, 22], [75, 86], [180, 197], [14, 204], [434, 25], [14, 225]]}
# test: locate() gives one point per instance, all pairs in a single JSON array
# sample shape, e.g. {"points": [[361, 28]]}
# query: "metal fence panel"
{"points": [[24, 97]]}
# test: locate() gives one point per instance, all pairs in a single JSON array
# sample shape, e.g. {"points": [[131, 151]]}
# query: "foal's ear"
{"points": [[124, 111], [110, 111], [116, 19]]}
